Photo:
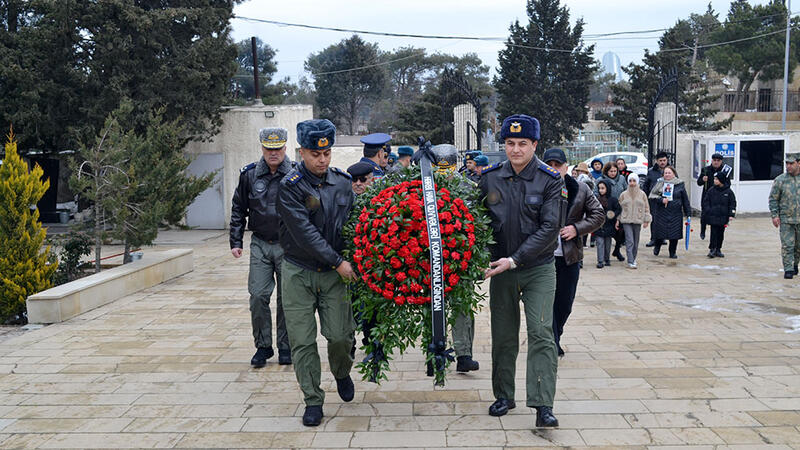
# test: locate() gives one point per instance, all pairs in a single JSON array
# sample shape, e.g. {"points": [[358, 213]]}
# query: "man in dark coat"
{"points": [[649, 183], [706, 180], [584, 215], [254, 206]]}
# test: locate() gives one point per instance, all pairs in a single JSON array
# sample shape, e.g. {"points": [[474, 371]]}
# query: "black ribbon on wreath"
{"points": [[438, 346]]}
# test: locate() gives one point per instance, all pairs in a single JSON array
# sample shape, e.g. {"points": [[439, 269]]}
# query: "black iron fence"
{"points": [[761, 100]]}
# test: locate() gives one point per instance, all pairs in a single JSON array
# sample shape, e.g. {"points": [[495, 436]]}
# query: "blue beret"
{"points": [[520, 126], [376, 139], [405, 151], [316, 134], [481, 160]]}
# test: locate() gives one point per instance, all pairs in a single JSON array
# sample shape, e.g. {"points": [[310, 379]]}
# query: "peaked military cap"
{"points": [[316, 134], [792, 157], [376, 140], [392, 157], [273, 138], [520, 126], [405, 151], [482, 160]]}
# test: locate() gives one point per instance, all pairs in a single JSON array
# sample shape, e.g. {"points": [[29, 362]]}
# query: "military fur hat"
{"points": [[520, 126], [791, 157], [273, 138], [316, 134]]}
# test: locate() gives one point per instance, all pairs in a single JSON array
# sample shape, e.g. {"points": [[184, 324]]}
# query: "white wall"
{"points": [[238, 140]]}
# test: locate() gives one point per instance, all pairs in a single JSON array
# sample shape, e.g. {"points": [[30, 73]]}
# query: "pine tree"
{"points": [[545, 71], [24, 268]]}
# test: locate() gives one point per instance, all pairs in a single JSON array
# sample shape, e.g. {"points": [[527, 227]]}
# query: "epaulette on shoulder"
{"points": [[549, 170], [293, 177], [342, 173], [490, 168], [247, 167]]}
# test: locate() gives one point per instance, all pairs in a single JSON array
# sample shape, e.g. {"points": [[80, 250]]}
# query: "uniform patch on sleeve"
{"points": [[247, 167], [564, 192]]}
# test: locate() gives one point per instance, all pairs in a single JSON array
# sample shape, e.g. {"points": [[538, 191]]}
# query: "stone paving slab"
{"points": [[686, 354]]}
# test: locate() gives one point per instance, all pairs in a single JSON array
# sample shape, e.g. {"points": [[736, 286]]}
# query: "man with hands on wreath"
{"points": [[255, 198], [314, 203], [527, 204]]}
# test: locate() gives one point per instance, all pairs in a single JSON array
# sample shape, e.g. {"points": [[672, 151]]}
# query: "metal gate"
{"points": [[662, 123]]}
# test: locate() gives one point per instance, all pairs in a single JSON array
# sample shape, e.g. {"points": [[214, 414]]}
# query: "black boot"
{"points": [[788, 275], [345, 388], [718, 253], [650, 243], [284, 357], [656, 249], [466, 364], [501, 406], [312, 416], [702, 233], [712, 253], [262, 355], [545, 417]]}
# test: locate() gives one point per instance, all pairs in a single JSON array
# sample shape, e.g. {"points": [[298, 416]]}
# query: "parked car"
{"points": [[637, 162]]}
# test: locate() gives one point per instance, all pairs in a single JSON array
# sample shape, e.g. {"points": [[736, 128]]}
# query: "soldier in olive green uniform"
{"points": [[784, 207], [314, 203], [254, 205], [527, 201]]}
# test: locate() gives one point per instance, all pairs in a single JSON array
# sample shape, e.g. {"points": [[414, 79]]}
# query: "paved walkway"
{"points": [[691, 353]]}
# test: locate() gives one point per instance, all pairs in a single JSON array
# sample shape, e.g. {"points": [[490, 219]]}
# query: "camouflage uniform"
{"points": [[784, 203]]}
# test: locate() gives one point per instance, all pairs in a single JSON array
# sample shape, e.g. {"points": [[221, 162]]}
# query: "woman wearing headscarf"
{"points": [[635, 215]]}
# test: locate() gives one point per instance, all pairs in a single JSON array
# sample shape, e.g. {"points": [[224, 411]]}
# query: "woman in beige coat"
{"points": [[635, 214]]}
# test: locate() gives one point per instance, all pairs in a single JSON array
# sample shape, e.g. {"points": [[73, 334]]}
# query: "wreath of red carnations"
{"points": [[391, 242]]}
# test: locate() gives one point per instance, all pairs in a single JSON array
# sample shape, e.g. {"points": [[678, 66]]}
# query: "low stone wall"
{"points": [[71, 299]]}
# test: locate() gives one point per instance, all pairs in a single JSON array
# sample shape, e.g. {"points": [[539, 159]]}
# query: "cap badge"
{"points": [[272, 137], [515, 127], [322, 142]]}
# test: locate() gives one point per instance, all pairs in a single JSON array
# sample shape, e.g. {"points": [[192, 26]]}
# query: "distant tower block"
{"points": [[611, 65]]}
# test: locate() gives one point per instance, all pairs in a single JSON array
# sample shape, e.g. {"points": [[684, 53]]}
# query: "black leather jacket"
{"points": [[256, 197], [313, 211], [527, 211]]}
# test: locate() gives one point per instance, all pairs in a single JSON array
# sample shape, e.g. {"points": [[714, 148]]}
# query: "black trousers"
{"points": [[673, 245], [619, 241], [566, 284], [717, 236]]}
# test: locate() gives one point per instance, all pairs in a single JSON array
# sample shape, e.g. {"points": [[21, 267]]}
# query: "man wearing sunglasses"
{"points": [[376, 151], [362, 176]]}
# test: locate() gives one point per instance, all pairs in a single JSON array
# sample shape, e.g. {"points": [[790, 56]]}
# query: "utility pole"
{"points": [[256, 85], [786, 64]]}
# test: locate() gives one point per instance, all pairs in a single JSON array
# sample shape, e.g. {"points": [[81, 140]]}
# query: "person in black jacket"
{"points": [[719, 207], [604, 234], [650, 182], [706, 180], [314, 203], [527, 204], [255, 197]]}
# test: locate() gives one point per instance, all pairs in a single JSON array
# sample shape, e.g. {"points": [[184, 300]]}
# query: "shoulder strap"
{"points": [[549, 170], [247, 167]]}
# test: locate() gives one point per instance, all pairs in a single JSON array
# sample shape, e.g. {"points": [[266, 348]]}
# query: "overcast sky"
{"points": [[451, 17]]}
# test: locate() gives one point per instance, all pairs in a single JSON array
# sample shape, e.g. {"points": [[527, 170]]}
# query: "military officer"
{"points": [[404, 154], [527, 201], [784, 207], [481, 161], [255, 197], [376, 150], [314, 202]]}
